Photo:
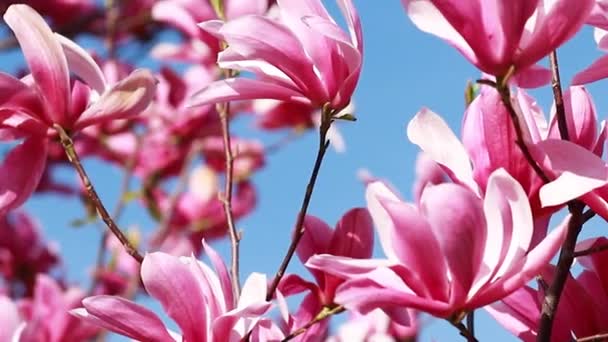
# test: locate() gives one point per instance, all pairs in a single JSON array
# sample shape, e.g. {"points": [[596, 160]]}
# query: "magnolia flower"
{"points": [[45, 316], [30, 107], [198, 299], [353, 237], [305, 57], [583, 305], [452, 253], [199, 45], [498, 35]]}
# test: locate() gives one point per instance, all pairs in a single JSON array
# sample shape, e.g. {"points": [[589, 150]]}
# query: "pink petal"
{"points": [[354, 235], [175, 14], [518, 313], [222, 273], [174, 285], [19, 97], [553, 27], [511, 228], [82, 64], [532, 77], [45, 58], [595, 72], [457, 220], [316, 239], [124, 317], [432, 134], [581, 171], [375, 194], [244, 89], [417, 247], [524, 270], [127, 98], [344, 267], [20, 172], [9, 318], [382, 288], [261, 38], [581, 118], [239, 8]]}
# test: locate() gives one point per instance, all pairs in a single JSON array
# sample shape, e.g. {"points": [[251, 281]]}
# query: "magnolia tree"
{"points": [[476, 235]]}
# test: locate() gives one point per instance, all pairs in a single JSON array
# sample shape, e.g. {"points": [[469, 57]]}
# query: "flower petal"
{"points": [[45, 58], [432, 134], [129, 97], [82, 64], [244, 89], [174, 285], [21, 171], [124, 317], [354, 235]]}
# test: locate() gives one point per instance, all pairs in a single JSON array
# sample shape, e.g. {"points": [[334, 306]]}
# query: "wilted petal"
{"points": [[124, 317], [128, 97], [174, 285], [21, 171], [45, 58]]}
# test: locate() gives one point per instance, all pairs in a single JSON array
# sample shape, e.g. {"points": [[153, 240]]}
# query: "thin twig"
{"points": [[505, 95], [226, 199], [70, 151], [471, 323], [464, 331], [593, 338], [118, 209], [326, 120], [589, 251], [566, 255], [325, 313]]}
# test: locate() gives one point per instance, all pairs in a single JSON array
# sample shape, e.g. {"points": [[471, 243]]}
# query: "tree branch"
{"points": [[326, 120], [70, 151]]}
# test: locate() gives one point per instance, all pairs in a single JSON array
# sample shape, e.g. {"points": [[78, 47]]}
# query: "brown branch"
{"points": [[464, 332], [118, 209], [589, 251], [326, 120], [70, 151], [593, 338], [566, 255], [325, 313], [505, 95]]}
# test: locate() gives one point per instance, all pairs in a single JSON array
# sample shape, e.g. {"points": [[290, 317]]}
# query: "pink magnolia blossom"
{"points": [[353, 237], [199, 46], [305, 57], [31, 106], [198, 299], [498, 35], [23, 253], [248, 156], [582, 308], [45, 317], [452, 253]]}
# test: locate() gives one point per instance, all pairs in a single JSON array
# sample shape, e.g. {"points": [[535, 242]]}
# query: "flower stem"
{"points": [[70, 151], [325, 313], [326, 120]]}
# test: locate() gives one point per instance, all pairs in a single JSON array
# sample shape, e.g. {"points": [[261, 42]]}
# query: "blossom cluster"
{"points": [[482, 229]]}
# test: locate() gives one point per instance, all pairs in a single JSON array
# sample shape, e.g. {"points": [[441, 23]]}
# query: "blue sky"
{"points": [[404, 70]]}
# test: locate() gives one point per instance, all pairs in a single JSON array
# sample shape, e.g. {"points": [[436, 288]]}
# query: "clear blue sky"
{"points": [[404, 69]]}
